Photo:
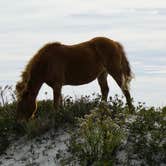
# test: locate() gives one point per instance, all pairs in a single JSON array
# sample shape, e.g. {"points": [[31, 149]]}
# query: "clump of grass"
{"points": [[97, 137], [45, 119], [147, 136], [7, 115]]}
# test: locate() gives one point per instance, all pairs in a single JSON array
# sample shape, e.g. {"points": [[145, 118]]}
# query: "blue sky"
{"points": [[140, 25]]}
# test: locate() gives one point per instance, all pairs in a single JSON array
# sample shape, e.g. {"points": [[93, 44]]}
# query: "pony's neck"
{"points": [[33, 88]]}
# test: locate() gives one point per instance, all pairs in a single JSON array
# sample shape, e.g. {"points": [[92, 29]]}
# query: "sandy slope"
{"points": [[38, 151], [50, 148]]}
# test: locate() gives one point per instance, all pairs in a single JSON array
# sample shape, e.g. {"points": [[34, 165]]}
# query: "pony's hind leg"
{"points": [[57, 95], [102, 80], [120, 80]]}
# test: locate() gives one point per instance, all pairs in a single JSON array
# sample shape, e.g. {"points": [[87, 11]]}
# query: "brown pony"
{"points": [[57, 64]]}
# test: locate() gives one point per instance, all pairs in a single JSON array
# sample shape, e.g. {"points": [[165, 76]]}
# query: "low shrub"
{"points": [[147, 136], [97, 137]]}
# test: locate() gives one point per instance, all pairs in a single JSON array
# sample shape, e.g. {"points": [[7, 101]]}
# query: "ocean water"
{"points": [[28, 25]]}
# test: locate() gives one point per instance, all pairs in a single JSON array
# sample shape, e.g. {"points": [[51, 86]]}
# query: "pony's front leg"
{"points": [[57, 96], [102, 80]]}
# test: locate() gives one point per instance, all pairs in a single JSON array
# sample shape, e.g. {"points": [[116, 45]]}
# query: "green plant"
{"points": [[99, 128], [147, 136], [97, 137], [46, 117]]}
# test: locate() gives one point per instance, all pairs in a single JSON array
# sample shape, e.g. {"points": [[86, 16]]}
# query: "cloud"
{"points": [[139, 25], [155, 69]]}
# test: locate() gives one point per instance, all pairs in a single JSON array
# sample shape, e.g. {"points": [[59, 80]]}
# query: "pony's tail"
{"points": [[126, 69]]}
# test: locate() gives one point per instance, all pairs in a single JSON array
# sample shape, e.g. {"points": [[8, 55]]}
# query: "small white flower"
{"points": [[156, 124]]}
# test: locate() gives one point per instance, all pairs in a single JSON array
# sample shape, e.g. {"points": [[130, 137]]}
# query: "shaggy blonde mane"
{"points": [[21, 85]]}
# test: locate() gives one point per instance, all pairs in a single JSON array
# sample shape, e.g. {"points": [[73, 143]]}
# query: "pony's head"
{"points": [[26, 104], [26, 107]]}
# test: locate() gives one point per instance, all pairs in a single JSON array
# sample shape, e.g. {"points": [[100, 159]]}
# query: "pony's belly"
{"points": [[82, 75], [80, 81]]}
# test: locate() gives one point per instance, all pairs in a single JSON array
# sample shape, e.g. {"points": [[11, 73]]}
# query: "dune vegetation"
{"points": [[104, 133]]}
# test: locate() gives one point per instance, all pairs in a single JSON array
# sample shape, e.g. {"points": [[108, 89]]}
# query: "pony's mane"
{"points": [[21, 86]]}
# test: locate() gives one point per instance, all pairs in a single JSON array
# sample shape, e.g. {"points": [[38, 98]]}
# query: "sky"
{"points": [[140, 25]]}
